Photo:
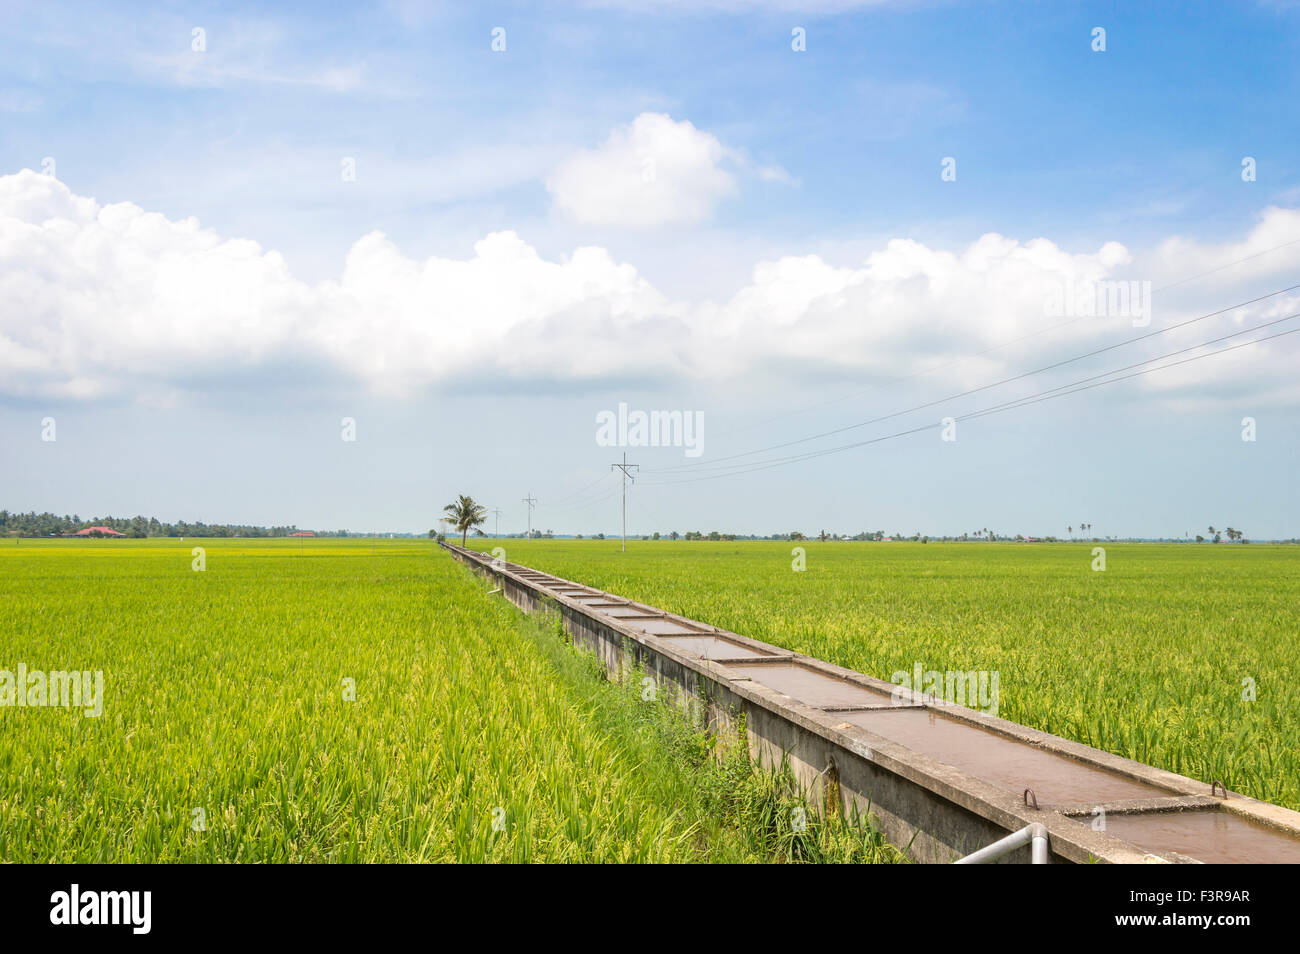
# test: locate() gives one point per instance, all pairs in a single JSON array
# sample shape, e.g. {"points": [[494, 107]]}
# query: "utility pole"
{"points": [[626, 477], [532, 502], [497, 531]]}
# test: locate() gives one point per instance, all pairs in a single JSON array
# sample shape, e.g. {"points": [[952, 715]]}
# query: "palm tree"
{"points": [[465, 513]]}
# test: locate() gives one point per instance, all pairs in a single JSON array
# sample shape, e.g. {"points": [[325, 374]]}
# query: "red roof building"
{"points": [[104, 531], [303, 533]]}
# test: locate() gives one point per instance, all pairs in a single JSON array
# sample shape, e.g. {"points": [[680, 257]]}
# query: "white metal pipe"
{"points": [[1038, 849], [998, 848], [1035, 834]]}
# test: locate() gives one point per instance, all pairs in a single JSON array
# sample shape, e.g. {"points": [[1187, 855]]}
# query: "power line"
{"points": [[1007, 344], [1173, 364], [738, 469], [580, 491], [1018, 401], [584, 501], [704, 465], [599, 500], [1213, 271], [1034, 399]]}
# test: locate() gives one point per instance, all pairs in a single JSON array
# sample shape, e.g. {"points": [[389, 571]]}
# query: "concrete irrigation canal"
{"points": [[947, 780]]}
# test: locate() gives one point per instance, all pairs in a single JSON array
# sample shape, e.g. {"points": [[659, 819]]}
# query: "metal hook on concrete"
{"points": [[1220, 785], [1029, 794]]}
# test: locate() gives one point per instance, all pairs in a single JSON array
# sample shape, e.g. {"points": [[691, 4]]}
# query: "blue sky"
{"points": [[501, 269]]}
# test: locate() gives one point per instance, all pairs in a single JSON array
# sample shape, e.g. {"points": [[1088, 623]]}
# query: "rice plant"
{"points": [[1185, 657], [336, 701]]}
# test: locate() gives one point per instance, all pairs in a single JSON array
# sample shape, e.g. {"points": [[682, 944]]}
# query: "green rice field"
{"points": [[357, 700], [1155, 658], [349, 700]]}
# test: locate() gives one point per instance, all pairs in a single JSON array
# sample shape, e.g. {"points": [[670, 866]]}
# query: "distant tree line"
{"points": [[824, 536], [982, 535], [1217, 536], [34, 524]]}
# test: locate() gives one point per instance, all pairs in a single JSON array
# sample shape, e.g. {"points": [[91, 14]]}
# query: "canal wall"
{"points": [[940, 780]]}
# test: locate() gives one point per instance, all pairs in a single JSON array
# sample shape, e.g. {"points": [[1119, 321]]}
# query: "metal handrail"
{"points": [[1034, 835]]}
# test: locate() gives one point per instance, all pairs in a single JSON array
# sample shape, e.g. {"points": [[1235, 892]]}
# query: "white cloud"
{"points": [[652, 171], [776, 174], [258, 52], [98, 300], [112, 300]]}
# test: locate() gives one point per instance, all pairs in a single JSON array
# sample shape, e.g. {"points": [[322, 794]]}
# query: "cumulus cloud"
{"points": [[652, 171], [102, 301]]}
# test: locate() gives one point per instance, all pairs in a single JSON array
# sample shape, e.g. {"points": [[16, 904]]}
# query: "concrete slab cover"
{"points": [[660, 627], [711, 647], [1015, 766], [1213, 837], [810, 686]]}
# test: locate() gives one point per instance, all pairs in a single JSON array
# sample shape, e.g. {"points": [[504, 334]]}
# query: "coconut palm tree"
{"points": [[465, 513]]}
